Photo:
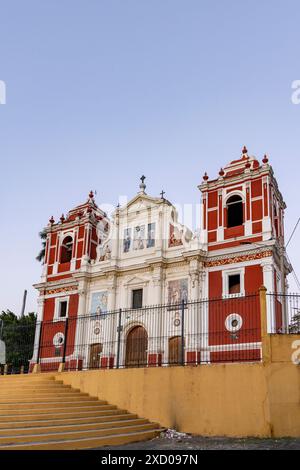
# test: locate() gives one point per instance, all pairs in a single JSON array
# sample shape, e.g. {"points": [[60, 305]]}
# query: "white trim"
{"points": [[225, 278], [234, 347], [58, 300], [234, 193]]}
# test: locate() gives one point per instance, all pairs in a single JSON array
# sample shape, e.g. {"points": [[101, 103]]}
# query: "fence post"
{"points": [[5, 369], [61, 366], [22, 370], [182, 333], [119, 329], [265, 337], [37, 365]]}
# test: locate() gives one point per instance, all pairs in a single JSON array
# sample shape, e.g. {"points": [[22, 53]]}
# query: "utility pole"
{"points": [[24, 303]]}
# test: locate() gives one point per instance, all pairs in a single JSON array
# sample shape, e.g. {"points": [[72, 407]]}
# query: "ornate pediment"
{"points": [[135, 281], [140, 203]]}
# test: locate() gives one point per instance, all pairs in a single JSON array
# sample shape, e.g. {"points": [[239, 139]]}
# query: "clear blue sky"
{"points": [[101, 91]]}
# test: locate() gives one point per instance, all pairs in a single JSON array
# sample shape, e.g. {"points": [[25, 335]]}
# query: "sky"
{"points": [[100, 92]]}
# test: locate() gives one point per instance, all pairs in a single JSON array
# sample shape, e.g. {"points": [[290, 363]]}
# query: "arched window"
{"points": [[234, 211], [66, 250]]}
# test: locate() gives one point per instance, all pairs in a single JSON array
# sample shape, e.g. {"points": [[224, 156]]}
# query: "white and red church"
{"points": [[142, 256]]}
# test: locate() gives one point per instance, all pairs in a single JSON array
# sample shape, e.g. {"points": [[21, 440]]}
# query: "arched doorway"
{"points": [[175, 350], [136, 347]]}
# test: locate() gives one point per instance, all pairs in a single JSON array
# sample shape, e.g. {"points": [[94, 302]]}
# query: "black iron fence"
{"points": [[186, 333], [283, 312]]}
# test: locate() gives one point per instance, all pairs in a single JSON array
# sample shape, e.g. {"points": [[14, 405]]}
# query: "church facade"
{"points": [[121, 284]]}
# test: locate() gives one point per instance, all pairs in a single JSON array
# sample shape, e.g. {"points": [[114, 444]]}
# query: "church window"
{"points": [[139, 237], [66, 250], [234, 284], [151, 236], [233, 281], [62, 313], [137, 298], [234, 211], [127, 240]]}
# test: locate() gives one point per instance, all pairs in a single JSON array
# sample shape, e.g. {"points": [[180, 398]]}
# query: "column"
{"points": [[155, 345], [40, 315], [268, 281], [82, 328], [109, 325], [191, 316], [220, 229]]}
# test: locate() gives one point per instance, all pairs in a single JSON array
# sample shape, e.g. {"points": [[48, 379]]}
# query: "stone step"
{"points": [[78, 434], [51, 388], [27, 379], [119, 415], [39, 394], [124, 437], [79, 413], [46, 400], [92, 403], [64, 428], [51, 410]]}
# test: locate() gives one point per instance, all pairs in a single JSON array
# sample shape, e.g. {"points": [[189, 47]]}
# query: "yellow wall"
{"points": [[219, 399]]}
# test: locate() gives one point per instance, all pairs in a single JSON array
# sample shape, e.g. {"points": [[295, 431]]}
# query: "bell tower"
{"points": [[242, 204], [73, 240], [243, 229]]}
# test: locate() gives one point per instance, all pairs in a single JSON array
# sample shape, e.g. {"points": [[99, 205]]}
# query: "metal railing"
{"points": [[186, 333], [283, 312]]}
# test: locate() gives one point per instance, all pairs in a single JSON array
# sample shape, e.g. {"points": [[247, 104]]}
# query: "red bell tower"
{"points": [[243, 230], [70, 249], [73, 240]]}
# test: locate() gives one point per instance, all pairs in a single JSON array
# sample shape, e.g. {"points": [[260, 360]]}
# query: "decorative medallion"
{"points": [[233, 322], [58, 339]]}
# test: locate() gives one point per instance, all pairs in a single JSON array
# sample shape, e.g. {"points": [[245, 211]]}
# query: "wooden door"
{"points": [[175, 350], [136, 347], [95, 351]]}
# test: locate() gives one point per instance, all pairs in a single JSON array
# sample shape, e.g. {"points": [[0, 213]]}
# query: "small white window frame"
{"points": [[58, 300], [225, 282]]}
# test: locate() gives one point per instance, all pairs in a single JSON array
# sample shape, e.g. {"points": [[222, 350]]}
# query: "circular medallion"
{"points": [[233, 322], [58, 339]]}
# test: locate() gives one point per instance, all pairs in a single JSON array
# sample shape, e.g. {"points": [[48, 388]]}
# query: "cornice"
{"points": [[234, 179]]}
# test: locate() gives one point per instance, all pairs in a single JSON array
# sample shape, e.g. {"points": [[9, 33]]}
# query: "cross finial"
{"points": [[142, 185], [162, 194]]}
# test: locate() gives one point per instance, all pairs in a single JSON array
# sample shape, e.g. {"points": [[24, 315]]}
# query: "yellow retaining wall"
{"points": [[238, 399]]}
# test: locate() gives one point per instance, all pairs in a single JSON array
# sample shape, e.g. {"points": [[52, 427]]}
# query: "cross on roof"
{"points": [[162, 194], [143, 179]]}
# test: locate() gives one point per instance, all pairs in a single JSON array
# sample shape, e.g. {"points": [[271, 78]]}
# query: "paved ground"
{"points": [[212, 443]]}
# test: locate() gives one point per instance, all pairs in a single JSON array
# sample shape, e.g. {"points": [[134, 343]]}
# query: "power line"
{"points": [[293, 232]]}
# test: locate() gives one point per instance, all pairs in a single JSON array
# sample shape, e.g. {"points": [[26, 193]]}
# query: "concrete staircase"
{"points": [[37, 412]]}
